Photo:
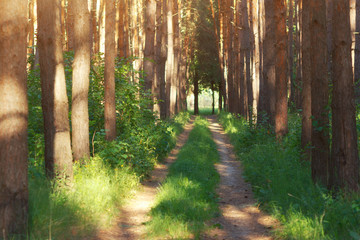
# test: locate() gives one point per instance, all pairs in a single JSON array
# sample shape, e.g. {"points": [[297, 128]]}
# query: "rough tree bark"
{"points": [[149, 53], [13, 120], [80, 81], [281, 122], [344, 135], [319, 93], [58, 156], [306, 80], [109, 72]]}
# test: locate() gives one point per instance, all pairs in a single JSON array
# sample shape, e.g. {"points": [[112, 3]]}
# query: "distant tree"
{"points": [[13, 120], [58, 156], [80, 81], [109, 75], [345, 156], [281, 121]]}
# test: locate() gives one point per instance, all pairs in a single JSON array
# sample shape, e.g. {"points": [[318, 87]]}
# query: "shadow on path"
{"points": [[133, 215], [240, 218]]}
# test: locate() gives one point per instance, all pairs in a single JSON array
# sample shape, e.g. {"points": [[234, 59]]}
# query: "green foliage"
{"points": [[283, 186], [57, 212], [105, 181], [187, 198]]}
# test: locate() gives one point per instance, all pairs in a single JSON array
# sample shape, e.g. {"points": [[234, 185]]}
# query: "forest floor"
{"points": [[239, 218]]}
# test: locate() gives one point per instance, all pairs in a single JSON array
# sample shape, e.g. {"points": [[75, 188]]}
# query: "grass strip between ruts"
{"points": [[187, 198]]}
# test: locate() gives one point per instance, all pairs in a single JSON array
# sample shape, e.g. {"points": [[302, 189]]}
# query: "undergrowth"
{"points": [[282, 184], [103, 182], [187, 198]]}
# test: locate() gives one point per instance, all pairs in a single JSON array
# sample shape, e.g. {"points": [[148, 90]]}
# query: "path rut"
{"points": [[240, 218], [133, 215]]}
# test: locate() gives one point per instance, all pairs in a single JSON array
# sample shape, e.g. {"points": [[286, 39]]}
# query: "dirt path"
{"points": [[133, 215], [240, 219]]}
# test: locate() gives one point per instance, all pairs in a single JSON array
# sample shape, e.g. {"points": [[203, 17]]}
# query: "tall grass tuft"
{"points": [[58, 212], [283, 186]]}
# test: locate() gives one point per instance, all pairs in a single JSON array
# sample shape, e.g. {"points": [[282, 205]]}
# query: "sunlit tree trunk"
{"points": [[109, 72], [94, 23], [319, 93], [31, 27], [58, 156], [14, 120], [70, 25], [63, 24], [149, 53], [281, 121], [80, 81], [345, 154], [171, 88]]}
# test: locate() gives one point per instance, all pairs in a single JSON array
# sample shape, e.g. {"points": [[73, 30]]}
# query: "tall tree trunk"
{"points": [[162, 61], [58, 156], [121, 28], [306, 80], [149, 53], [109, 72], [345, 154], [80, 81], [267, 91], [31, 31], [157, 76], [256, 59], [94, 24], [14, 119], [319, 93], [171, 89], [230, 54], [281, 122], [357, 52], [70, 25], [222, 91], [291, 51]]}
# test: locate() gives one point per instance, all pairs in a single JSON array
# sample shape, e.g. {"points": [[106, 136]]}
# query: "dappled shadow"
{"points": [[133, 215], [240, 218]]}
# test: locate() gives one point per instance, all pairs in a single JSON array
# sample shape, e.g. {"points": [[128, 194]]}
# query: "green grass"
{"points": [[92, 202], [187, 198], [283, 186], [205, 111]]}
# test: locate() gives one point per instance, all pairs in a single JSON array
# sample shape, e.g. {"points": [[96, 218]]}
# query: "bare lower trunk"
{"points": [[319, 93], [80, 81], [109, 75], [58, 156], [281, 122], [345, 154]]}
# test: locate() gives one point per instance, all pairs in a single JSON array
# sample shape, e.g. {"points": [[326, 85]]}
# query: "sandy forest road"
{"points": [[133, 215], [240, 219]]}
